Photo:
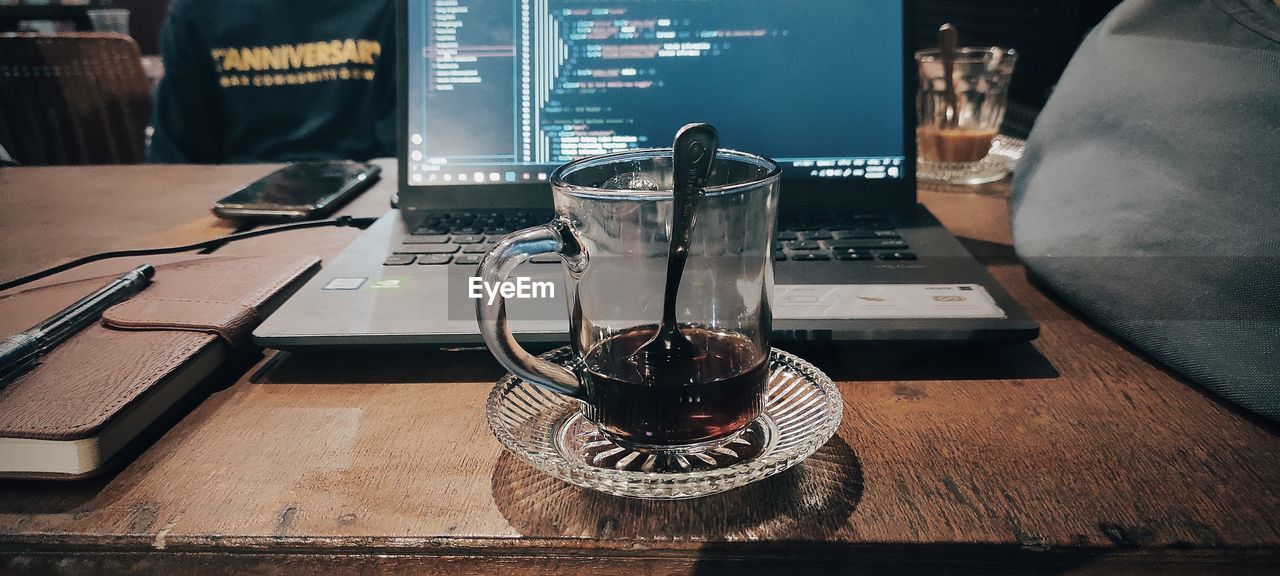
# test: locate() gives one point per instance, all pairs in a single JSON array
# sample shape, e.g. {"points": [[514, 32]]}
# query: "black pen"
{"points": [[22, 350]]}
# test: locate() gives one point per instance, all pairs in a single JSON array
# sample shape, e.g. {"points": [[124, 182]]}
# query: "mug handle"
{"points": [[512, 250]]}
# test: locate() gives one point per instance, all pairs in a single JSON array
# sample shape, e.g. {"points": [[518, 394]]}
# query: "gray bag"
{"points": [[1149, 196]]}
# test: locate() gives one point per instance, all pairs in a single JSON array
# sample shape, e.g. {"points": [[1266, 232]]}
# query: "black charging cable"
{"points": [[360, 223]]}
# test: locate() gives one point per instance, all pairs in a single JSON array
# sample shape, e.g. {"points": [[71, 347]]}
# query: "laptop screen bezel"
{"points": [[888, 193]]}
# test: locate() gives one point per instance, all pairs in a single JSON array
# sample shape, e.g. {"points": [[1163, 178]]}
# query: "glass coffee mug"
{"points": [[957, 123], [612, 231]]}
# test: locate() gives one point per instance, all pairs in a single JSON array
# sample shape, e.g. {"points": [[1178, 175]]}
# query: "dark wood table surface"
{"points": [[1069, 455]]}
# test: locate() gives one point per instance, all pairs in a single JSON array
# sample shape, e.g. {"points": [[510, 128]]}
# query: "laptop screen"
{"points": [[505, 91]]}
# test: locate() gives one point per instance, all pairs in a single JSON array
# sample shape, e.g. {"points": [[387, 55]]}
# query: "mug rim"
{"points": [[558, 183], [966, 54]]}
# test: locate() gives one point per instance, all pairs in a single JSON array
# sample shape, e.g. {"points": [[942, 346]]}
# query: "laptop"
{"points": [[494, 94]]}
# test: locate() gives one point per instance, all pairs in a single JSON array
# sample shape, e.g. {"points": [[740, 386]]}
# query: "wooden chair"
{"points": [[73, 98]]}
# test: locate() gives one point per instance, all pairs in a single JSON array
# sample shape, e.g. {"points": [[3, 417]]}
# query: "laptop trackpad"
{"points": [[883, 301]]}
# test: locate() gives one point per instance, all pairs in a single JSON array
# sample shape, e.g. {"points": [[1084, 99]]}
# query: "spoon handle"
{"points": [[947, 40], [692, 154]]}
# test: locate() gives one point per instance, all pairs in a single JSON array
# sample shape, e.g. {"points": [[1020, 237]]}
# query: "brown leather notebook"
{"points": [[94, 396]]}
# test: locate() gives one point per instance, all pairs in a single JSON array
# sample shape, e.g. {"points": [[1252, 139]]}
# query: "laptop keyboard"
{"points": [[463, 237], [847, 236], [812, 236]]}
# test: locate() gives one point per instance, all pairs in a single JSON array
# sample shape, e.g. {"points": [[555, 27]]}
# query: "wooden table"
{"points": [[1070, 455]]}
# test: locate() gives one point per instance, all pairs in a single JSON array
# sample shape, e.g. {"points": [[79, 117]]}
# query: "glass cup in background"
{"points": [[612, 230], [954, 136], [110, 20]]}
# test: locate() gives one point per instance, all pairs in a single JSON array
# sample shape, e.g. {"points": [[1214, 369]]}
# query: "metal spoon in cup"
{"points": [[693, 153]]}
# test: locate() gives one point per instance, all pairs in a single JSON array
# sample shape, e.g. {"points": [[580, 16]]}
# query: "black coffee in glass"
{"points": [[615, 243], [660, 400]]}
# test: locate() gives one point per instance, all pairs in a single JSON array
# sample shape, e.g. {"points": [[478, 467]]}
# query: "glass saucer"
{"points": [[549, 432], [998, 163]]}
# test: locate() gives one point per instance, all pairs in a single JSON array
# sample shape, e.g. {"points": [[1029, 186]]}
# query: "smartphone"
{"points": [[299, 191]]}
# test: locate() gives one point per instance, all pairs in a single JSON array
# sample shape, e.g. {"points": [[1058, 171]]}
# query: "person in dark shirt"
{"points": [[275, 81]]}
